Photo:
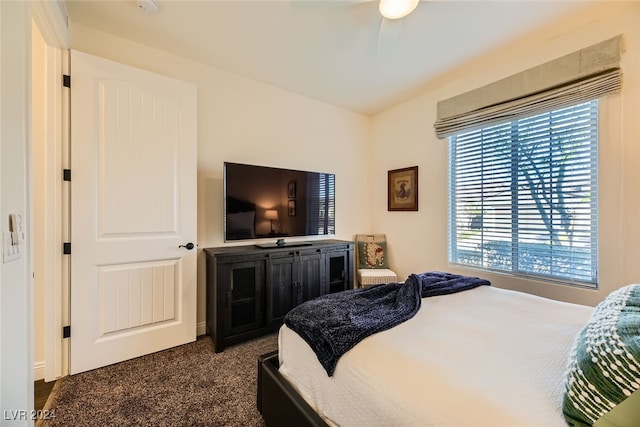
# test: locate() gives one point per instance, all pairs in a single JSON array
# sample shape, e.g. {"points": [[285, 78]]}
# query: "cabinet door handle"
{"points": [[228, 299]]}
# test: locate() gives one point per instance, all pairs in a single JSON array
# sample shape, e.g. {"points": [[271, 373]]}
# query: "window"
{"points": [[523, 196], [321, 204], [327, 208]]}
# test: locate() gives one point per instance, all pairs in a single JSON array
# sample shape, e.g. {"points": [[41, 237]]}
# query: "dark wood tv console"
{"points": [[250, 289]]}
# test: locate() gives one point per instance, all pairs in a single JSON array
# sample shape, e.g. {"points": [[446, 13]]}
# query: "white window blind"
{"points": [[327, 211], [523, 196]]}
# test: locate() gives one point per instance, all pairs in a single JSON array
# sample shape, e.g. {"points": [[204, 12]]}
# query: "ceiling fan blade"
{"points": [[342, 23], [389, 37], [324, 4]]}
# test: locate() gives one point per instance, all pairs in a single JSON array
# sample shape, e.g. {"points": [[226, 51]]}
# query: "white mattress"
{"points": [[483, 357]]}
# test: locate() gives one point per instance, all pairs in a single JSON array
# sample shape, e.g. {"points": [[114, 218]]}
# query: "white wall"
{"points": [[16, 358], [403, 136], [244, 121]]}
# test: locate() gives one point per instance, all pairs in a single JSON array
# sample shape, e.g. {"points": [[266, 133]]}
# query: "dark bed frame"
{"points": [[281, 405], [278, 402]]}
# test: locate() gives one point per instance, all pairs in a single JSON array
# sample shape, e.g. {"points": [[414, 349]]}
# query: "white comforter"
{"points": [[483, 357]]}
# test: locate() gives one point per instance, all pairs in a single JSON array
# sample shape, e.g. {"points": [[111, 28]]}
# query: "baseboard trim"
{"points": [[201, 328], [38, 367], [38, 370]]}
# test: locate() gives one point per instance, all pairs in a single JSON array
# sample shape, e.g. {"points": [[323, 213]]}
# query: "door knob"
{"points": [[189, 246]]}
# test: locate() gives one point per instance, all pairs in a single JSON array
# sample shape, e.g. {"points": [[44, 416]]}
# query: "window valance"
{"points": [[579, 76]]}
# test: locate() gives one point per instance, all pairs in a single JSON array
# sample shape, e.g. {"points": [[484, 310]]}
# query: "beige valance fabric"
{"points": [[580, 76]]}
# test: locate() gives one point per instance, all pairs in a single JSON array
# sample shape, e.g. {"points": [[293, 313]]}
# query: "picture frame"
{"points": [[402, 194], [291, 208], [291, 190]]}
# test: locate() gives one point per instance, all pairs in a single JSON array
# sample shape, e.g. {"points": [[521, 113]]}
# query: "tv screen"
{"points": [[263, 202]]}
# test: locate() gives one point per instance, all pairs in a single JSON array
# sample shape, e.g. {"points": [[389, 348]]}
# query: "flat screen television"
{"points": [[268, 202]]}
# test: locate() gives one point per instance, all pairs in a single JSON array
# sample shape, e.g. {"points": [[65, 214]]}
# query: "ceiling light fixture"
{"points": [[148, 6], [396, 9]]}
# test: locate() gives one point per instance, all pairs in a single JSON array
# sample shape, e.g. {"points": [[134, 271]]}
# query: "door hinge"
{"points": [[66, 248], [66, 80], [66, 331], [66, 174]]}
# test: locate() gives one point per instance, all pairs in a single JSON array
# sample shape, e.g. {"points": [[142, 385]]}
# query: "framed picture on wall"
{"points": [[291, 190], [403, 189], [292, 208]]}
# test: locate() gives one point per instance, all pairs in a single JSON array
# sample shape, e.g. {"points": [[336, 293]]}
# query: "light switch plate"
{"points": [[16, 227], [10, 252]]}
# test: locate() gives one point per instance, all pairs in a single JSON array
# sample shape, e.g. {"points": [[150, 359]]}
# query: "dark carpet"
{"points": [[189, 385]]}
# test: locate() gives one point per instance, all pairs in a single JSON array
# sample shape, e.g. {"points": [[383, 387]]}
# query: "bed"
{"points": [[482, 357]]}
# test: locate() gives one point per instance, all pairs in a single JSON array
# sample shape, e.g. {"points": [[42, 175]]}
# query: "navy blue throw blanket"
{"points": [[333, 324]]}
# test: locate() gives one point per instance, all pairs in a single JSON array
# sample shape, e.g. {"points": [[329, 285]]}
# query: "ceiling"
{"points": [[339, 52]]}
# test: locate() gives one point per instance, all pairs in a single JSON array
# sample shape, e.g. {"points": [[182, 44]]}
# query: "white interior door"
{"points": [[133, 203]]}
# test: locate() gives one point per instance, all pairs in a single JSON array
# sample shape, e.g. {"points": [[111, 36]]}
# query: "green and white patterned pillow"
{"points": [[604, 366], [372, 255]]}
